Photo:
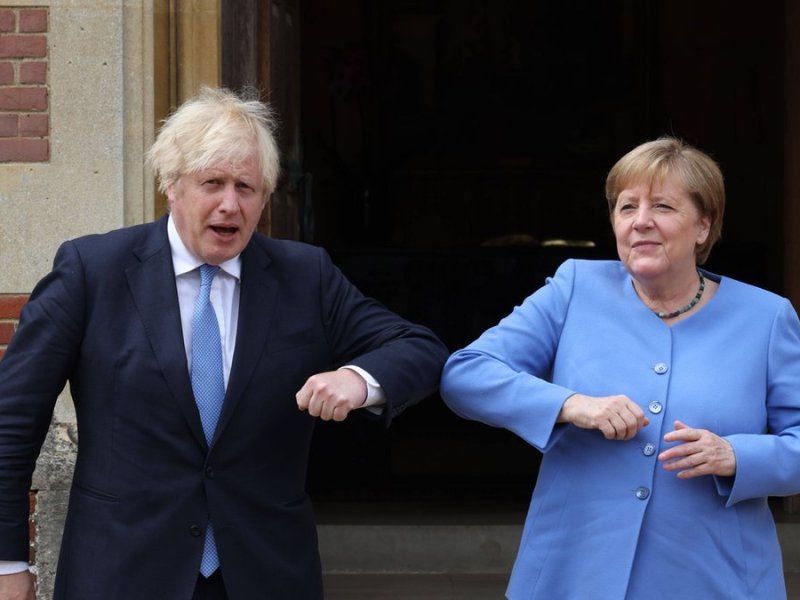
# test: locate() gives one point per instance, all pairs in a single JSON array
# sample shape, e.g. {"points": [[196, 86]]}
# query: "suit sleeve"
{"points": [[768, 464], [405, 358], [500, 379], [33, 373]]}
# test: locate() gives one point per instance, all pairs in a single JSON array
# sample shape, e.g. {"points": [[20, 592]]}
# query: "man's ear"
{"points": [[170, 193]]}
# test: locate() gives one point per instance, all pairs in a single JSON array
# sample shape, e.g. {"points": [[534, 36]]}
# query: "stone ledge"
{"points": [[371, 539], [418, 548]]}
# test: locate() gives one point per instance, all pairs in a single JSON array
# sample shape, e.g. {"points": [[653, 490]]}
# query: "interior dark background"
{"points": [[445, 143]]}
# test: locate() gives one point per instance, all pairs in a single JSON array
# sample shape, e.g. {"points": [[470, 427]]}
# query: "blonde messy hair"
{"points": [[215, 126], [668, 157]]}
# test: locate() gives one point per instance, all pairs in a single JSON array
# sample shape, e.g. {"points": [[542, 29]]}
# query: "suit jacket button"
{"points": [[660, 368], [649, 449], [210, 472], [642, 493], [655, 407], [196, 530]]}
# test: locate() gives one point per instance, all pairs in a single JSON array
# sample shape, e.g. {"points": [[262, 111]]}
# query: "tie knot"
{"points": [[207, 273]]}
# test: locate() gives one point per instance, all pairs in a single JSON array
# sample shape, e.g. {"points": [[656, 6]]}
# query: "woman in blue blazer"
{"points": [[665, 400]]}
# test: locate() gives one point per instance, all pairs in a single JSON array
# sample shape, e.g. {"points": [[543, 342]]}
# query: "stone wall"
{"points": [[90, 73]]}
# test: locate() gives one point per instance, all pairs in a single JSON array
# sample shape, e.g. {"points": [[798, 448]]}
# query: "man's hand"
{"points": [[17, 586], [616, 417], [332, 395], [699, 452]]}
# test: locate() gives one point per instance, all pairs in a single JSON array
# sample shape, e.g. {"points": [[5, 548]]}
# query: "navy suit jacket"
{"points": [[106, 320]]}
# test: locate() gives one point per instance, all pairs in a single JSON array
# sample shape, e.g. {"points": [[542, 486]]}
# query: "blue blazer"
{"points": [[606, 521], [106, 319]]}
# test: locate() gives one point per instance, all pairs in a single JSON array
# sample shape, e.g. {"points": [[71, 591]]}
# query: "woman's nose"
{"points": [[643, 218]]}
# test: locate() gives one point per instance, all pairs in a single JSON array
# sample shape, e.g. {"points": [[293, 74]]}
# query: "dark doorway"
{"points": [[454, 153]]}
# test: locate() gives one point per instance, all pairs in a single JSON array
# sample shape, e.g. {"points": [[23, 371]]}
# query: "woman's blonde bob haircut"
{"points": [[670, 158], [217, 126]]}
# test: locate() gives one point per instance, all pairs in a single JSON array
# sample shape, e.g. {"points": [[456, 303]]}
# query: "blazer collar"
{"points": [[152, 285], [257, 300]]}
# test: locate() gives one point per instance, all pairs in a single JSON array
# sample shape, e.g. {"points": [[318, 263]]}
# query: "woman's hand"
{"points": [[698, 453], [617, 417]]}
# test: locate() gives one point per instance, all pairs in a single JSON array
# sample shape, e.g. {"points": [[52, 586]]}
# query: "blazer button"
{"points": [[661, 368], [642, 493], [649, 449], [655, 407], [196, 530], [210, 472]]}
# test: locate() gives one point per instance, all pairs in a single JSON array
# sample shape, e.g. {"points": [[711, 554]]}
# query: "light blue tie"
{"points": [[208, 384]]}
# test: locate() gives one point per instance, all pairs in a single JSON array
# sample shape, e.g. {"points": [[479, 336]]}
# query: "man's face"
{"points": [[217, 210]]}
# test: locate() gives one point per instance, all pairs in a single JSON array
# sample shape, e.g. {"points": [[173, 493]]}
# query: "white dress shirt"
{"points": [[224, 296]]}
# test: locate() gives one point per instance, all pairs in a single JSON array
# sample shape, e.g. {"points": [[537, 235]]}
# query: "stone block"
{"points": [[57, 459], [50, 513]]}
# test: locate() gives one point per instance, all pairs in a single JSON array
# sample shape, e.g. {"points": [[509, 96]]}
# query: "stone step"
{"points": [[443, 587], [415, 587], [418, 548], [379, 538], [789, 535], [418, 537]]}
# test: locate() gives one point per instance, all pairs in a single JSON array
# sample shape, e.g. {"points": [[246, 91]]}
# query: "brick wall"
{"points": [[24, 105], [10, 307]]}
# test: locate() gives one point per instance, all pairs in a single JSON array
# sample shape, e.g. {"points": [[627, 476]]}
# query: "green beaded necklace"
{"points": [[688, 307]]}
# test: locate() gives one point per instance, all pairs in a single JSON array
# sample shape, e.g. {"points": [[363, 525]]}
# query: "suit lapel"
{"points": [[256, 307], [152, 285]]}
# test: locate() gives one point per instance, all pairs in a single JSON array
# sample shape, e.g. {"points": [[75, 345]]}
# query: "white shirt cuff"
{"points": [[9, 567], [376, 397]]}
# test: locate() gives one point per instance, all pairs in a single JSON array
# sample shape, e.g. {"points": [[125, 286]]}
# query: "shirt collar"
{"points": [[183, 261]]}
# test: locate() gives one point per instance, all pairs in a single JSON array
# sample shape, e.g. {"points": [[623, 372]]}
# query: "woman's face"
{"points": [[658, 228]]}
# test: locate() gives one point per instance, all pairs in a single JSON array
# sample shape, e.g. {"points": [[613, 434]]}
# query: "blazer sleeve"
{"points": [[405, 358], [33, 373], [501, 378], [768, 464]]}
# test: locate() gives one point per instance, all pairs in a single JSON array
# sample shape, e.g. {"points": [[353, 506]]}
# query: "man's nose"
{"points": [[229, 198]]}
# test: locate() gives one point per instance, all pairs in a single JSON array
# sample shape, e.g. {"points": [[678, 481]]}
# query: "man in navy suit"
{"points": [[153, 485]]}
